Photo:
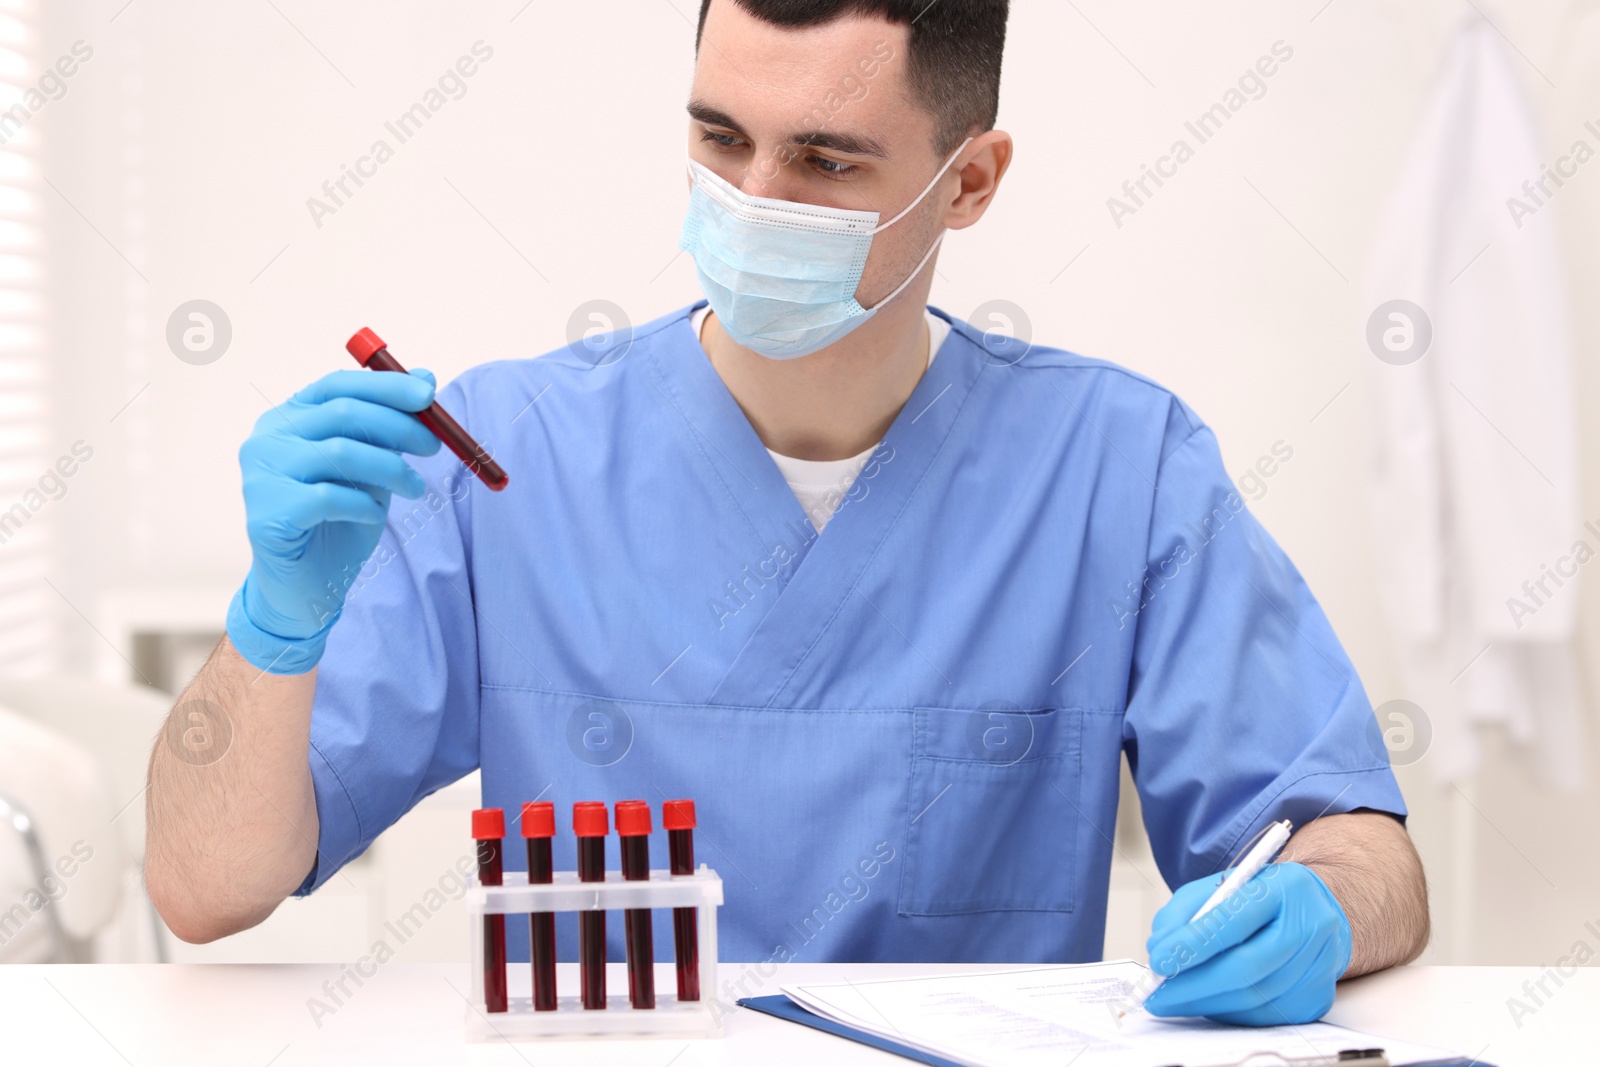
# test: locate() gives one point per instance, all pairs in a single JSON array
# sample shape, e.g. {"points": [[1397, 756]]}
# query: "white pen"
{"points": [[1257, 858]]}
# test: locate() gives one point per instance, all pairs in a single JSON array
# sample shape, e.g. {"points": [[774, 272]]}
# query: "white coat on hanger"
{"points": [[1476, 479]]}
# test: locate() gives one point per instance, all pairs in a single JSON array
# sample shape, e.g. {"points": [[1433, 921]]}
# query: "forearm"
{"points": [[232, 828], [1369, 863]]}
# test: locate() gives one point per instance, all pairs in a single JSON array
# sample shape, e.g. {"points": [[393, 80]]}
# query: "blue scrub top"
{"points": [[903, 736]]}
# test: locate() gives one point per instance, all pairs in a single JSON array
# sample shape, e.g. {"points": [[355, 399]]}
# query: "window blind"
{"points": [[29, 608]]}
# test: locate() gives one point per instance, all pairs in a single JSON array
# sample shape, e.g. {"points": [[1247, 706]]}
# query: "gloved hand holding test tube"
{"points": [[319, 471]]}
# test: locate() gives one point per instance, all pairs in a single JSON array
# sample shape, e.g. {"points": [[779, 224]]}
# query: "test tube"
{"points": [[633, 828], [539, 826], [370, 351], [678, 817], [489, 830], [591, 823]]}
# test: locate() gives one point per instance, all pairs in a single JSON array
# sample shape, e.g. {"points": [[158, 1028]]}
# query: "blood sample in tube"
{"points": [[489, 830], [591, 823], [678, 817], [370, 351], [633, 830], [539, 826]]}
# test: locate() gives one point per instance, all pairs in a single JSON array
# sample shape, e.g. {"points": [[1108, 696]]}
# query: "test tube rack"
{"points": [[670, 1017]]}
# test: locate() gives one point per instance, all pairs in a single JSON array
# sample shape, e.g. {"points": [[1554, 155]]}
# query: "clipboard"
{"points": [[781, 1007]]}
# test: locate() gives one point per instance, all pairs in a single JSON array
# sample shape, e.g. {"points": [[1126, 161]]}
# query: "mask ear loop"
{"points": [[936, 179], [912, 276], [937, 241]]}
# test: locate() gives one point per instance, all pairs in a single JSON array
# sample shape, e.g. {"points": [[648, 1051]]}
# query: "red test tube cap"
{"points": [[633, 818], [677, 814], [589, 819], [488, 824], [363, 343], [539, 819]]}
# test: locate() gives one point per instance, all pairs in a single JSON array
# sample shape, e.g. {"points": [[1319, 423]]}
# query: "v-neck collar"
{"points": [[725, 438], [824, 578]]}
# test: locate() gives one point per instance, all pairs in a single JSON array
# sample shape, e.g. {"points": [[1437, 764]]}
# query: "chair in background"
{"points": [[116, 724], [62, 863]]}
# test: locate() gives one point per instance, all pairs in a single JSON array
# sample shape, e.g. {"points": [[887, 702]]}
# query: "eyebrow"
{"points": [[853, 144]]}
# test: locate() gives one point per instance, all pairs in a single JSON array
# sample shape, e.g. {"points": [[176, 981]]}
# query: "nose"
{"points": [[767, 176]]}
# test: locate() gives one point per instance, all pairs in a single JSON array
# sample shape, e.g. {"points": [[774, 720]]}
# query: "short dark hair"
{"points": [[956, 49]]}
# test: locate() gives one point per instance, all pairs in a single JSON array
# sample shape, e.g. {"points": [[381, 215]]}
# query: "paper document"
{"points": [[1067, 1014]]}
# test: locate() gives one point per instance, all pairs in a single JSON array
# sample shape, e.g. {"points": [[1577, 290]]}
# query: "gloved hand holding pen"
{"points": [[319, 471], [1270, 955]]}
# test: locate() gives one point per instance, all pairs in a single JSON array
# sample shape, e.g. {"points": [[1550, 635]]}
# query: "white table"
{"points": [[250, 1016]]}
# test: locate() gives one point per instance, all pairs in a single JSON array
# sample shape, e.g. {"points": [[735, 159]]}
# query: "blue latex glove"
{"points": [[1267, 956], [318, 474]]}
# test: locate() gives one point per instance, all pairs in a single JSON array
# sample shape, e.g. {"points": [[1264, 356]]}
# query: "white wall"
{"points": [[194, 137]]}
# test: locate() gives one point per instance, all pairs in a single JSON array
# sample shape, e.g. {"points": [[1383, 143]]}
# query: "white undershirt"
{"points": [[821, 485]]}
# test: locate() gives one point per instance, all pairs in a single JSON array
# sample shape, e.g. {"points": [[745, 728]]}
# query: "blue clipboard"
{"points": [[782, 1007]]}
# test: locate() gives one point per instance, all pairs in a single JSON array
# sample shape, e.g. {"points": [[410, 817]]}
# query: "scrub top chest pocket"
{"points": [[993, 815]]}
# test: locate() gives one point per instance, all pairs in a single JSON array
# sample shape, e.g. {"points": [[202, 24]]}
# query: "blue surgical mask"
{"points": [[782, 276]]}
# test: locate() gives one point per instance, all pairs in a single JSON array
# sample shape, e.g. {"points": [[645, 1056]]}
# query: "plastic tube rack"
{"points": [[670, 1017]]}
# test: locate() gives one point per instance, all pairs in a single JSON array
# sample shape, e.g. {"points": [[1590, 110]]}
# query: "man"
{"points": [[888, 600]]}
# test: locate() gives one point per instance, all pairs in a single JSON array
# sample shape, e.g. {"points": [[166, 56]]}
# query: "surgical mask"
{"points": [[782, 276]]}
